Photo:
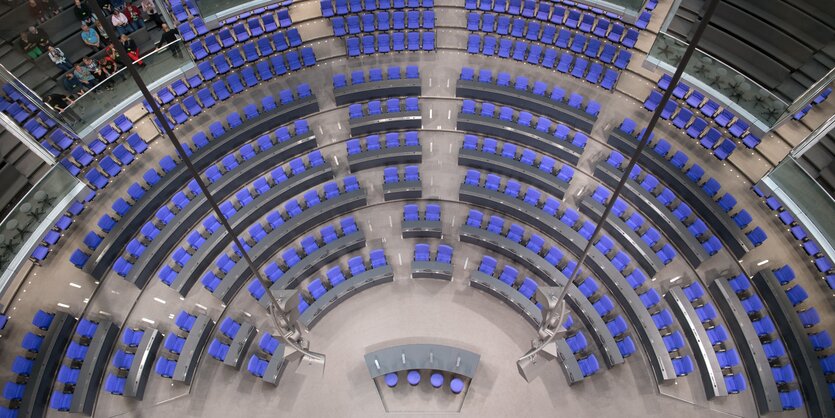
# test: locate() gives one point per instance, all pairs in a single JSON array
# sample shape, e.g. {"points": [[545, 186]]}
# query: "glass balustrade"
{"points": [[734, 90], [113, 95], [32, 217]]}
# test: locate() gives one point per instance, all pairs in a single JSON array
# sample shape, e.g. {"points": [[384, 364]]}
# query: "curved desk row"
{"points": [[385, 156], [142, 364], [508, 295], [689, 191], [431, 270], [377, 90], [239, 345], [573, 373], [809, 371], [36, 395], [342, 291], [526, 100], [184, 221], [196, 341], [553, 277], [697, 338], [602, 267], [386, 122], [526, 135], [287, 233], [205, 256], [749, 346], [137, 215], [624, 235], [422, 357], [402, 190], [548, 183], [313, 262], [93, 367], [660, 215], [421, 229]]}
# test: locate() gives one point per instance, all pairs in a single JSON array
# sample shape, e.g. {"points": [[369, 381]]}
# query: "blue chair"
{"points": [[683, 365], [589, 365], [165, 367]]}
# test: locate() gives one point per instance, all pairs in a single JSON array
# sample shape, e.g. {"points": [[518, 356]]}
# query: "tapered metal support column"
{"points": [[553, 313]]}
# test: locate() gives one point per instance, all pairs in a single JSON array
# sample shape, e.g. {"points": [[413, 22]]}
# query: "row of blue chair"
{"points": [[711, 186], [820, 98], [411, 212], [278, 64], [122, 361], [534, 30], [770, 339], [456, 385], [392, 41], [219, 347], [273, 271], [820, 259], [316, 289], [259, 361], [264, 46], [527, 156], [343, 7], [59, 228], [543, 124], [214, 173], [383, 21], [564, 62], [23, 366], [696, 128], [572, 15], [539, 88], [374, 107], [372, 142], [532, 197], [510, 276], [392, 175], [267, 22], [723, 118], [151, 177], [375, 75], [650, 236], [442, 255], [666, 197], [183, 12], [195, 239]]}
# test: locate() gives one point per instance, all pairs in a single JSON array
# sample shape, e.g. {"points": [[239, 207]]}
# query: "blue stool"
{"points": [[456, 385], [437, 380], [413, 377], [391, 380]]}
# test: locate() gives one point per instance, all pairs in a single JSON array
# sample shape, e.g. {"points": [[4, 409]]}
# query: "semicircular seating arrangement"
{"points": [[356, 148]]}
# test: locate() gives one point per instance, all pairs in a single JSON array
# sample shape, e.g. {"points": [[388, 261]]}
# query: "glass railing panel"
{"points": [[25, 225], [628, 10], [734, 90], [806, 199], [213, 11], [117, 92]]}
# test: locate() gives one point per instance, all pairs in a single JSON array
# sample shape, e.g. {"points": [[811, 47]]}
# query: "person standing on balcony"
{"points": [[168, 37]]}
